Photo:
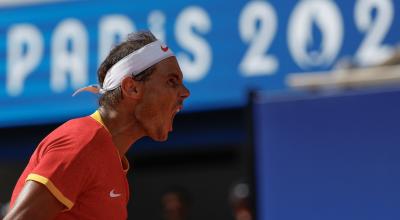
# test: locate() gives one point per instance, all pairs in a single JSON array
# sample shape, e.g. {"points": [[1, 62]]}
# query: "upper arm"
{"points": [[35, 201]]}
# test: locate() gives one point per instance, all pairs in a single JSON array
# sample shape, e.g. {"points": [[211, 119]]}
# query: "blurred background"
{"points": [[293, 114]]}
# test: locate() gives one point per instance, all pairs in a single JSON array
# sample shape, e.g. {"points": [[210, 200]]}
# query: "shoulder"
{"points": [[77, 136]]}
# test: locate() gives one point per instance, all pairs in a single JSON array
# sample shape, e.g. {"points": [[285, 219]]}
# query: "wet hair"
{"points": [[133, 42]]}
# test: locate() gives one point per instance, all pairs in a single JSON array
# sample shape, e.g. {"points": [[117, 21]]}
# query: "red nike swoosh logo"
{"points": [[165, 49]]}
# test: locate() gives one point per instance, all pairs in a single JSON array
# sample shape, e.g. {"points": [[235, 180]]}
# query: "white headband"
{"points": [[133, 64]]}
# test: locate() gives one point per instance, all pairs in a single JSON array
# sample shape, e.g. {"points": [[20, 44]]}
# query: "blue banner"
{"points": [[49, 49]]}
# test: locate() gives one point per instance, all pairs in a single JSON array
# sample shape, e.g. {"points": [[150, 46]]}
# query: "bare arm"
{"points": [[34, 202]]}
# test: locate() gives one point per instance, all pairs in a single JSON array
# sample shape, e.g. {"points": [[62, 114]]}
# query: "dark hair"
{"points": [[133, 42]]}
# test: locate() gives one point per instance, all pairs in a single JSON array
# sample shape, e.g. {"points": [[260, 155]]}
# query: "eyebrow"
{"points": [[175, 75]]}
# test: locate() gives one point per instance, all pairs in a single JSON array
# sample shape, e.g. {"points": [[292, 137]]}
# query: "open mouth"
{"points": [[177, 110]]}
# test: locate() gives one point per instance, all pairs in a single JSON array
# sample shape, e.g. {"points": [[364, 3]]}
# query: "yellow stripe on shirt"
{"points": [[96, 116], [52, 188]]}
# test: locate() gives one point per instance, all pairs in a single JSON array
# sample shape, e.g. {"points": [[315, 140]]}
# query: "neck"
{"points": [[122, 127]]}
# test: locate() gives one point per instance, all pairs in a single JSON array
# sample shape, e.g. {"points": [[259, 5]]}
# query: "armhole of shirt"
{"points": [[52, 188]]}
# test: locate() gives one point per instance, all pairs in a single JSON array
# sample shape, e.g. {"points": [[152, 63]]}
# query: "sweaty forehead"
{"points": [[169, 66]]}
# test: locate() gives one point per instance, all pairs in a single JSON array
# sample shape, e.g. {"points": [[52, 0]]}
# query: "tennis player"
{"points": [[79, 170]]}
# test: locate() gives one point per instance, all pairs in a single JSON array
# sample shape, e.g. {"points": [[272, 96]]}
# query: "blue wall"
{"points": [[331, 156]]}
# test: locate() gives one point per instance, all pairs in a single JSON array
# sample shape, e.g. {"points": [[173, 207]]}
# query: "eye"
{"points": [[172, 82]]}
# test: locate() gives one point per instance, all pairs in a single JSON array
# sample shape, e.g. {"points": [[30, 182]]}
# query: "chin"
{"points": [[160, 137]]}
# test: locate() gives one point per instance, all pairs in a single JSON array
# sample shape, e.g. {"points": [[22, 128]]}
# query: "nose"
{"points": [[185, 92]]}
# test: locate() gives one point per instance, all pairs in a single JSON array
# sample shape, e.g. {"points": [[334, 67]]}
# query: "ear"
{"points": [[131, 88]]}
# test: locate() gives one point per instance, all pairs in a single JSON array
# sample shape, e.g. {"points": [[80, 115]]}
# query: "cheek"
{"points": [[153, 117], [162, 101], [146, 110], [153, 109]]}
